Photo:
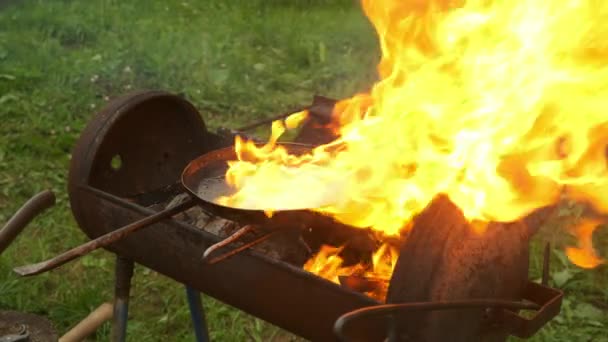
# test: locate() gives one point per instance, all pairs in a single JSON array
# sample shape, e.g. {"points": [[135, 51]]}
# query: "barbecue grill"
{"points": [[448, 283]]}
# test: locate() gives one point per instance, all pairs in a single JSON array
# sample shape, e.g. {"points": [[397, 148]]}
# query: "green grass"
{"points": [[60, 61]]}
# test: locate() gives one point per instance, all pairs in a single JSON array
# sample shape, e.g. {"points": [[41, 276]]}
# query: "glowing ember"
{"points": [[501, 105]]}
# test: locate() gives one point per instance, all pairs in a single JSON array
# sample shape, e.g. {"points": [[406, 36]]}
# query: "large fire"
{"points": [[501, 105]]}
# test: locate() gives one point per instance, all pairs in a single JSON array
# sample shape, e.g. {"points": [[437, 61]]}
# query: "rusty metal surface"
{"points": [[284, 295], [150, 135], [15, 225], [544, 300], [347, 321], [549, 300], [443, 259]]}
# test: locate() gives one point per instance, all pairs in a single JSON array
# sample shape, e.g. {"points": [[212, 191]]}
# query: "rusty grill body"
{"points": [[156, 134]]}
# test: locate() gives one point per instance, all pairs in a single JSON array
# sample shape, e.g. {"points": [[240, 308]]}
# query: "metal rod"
{"points": [[232, 238], [393, 333], [102, 241], [122, 288], [197, 314], [244, 247], [546, 264], [391, 309], [270, 120], [23, 216]]}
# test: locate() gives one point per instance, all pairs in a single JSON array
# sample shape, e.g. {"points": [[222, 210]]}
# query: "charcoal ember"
{"points": [[357, 243], [195, 213], [286, 246], [179, 199], [267, 248], [217, 226]]}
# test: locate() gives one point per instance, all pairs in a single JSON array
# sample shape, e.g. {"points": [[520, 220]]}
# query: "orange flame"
{"points": [[585, 255], [328, 264], [501, 105]]}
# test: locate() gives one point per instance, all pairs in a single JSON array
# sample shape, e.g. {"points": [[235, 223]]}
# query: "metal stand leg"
{"points": [[197, 314], [393, 335], [122, 288]]}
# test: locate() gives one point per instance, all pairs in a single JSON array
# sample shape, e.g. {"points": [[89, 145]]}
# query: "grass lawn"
{"points": [[60, 61]]}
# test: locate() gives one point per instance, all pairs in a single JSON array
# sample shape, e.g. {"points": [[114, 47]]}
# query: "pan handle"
{"points": [[32, 208]]}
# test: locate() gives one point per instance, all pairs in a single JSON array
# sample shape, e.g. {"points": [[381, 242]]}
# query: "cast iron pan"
{"points": [[204, 179]]}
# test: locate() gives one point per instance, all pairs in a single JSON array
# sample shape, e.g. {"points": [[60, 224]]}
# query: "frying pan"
{"points": [[203, 179]]}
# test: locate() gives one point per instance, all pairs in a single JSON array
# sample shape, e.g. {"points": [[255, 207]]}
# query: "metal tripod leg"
{"points": [[122, 287], [197, 313]]}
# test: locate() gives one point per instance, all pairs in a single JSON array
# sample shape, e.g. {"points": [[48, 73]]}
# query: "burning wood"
{"points": [[370, 277], [373, 287]]}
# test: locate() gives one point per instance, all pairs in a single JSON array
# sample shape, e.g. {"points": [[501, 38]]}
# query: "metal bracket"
{"points": [[550, 302]]}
